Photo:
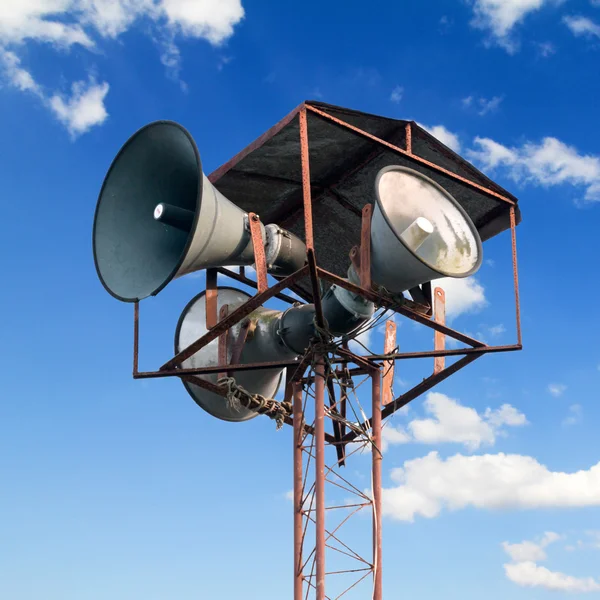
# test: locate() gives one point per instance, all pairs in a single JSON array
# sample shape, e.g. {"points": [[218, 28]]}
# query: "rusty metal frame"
{"points": [[373, 365]]}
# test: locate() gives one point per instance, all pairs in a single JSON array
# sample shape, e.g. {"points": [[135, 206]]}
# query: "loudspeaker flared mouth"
{"points": [[136, 255], [428, 221]]}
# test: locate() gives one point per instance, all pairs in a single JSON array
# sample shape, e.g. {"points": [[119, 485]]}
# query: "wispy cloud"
{"points": [[397, 94], [62, 24], [582, 26], [500, 18], [557, 389], [548, 163], [525, 572], [451, 422]]}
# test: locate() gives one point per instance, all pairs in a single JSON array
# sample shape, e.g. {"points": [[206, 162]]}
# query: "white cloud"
{"points": [[443, 135], [450, 421], [575, 415], [467, 101], [496, 330], [427, 485], [500, 17], [64, 23], [548, 163], [557, 389], [530, 551], [582, 26], [524, 571], [464, 295], [80, 111], [528, 574], [83, 109], [397, 94]]}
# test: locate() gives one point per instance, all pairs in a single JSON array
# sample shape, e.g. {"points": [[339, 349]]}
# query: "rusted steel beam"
{"points": [[260, 260], [211, 298], [439, 339], [513, 234], [298, 439], [411, 156], [408, 135], [365, 247], [319, 441], [436, 353], [257, 143], [387, 303], [377, 458], [306, 191], [389, 345], [235, 317]]}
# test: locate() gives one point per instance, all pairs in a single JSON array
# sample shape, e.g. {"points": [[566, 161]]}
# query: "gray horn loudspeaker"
{"points": [[419, 232], [263, 344], [158, 217]]}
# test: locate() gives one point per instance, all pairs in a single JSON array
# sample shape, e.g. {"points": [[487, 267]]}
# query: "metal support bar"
{"points": [[376, 472], [211, 298], [389, 345], [410, 155], [237, 315], [260, 260], [387, 303], [439, 339], [513, 234], [298, 437], [306, 194], [365, 247], [320, 478]]}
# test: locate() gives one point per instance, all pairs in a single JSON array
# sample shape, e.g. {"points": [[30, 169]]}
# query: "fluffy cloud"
{"points": [[83, 109], [528, 574], [524, 571], [79, 111], [548, 163], [443, 135], [465, 295], [64, 23], [450, 421], [530, 551], [582, 26], [427, 485], [500, 17]]}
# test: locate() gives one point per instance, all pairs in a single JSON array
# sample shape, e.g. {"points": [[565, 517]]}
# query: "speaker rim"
{"points": [[177, 332], [196, 215], [452, 199]]}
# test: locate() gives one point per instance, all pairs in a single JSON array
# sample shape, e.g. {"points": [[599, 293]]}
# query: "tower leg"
{"points": [[298, 520], [376, 473], [320, 478]]}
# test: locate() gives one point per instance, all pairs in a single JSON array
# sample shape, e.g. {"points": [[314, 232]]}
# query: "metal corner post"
{"points": [[376, 474], [298, 489]]}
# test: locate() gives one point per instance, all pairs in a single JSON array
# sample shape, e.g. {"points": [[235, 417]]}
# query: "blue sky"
{"points": [[123, 489]]}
